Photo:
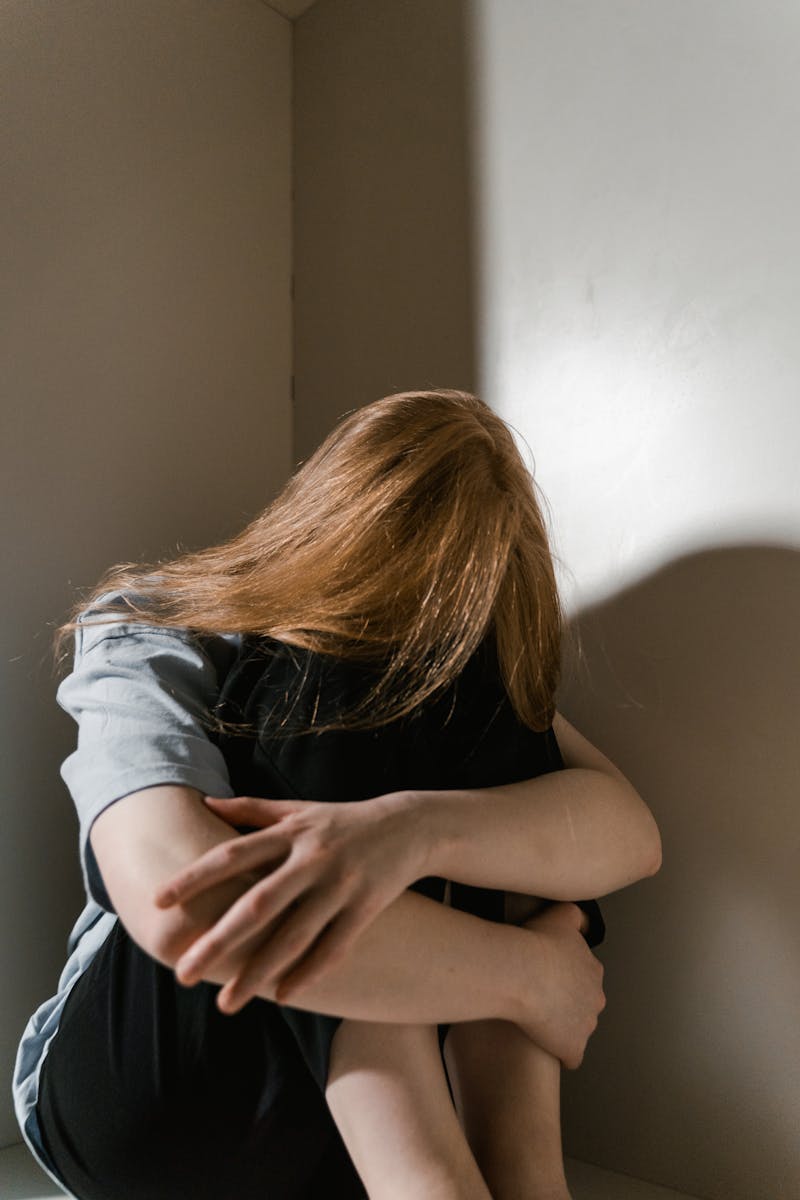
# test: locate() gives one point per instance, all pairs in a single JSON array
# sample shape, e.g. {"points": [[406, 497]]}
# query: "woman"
{"points": [[366, 677]]}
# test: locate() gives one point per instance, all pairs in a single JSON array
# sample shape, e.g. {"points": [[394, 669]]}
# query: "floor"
{"points": [[21, 1179], [593, 1183]]}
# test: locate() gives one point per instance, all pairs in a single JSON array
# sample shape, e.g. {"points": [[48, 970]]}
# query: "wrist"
{"points": [[528, 972], [429, 838]]}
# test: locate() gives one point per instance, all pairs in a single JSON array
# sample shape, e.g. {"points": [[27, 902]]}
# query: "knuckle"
{"points": [[212, 947], [257, 902], [317, 845], [227, 853]]}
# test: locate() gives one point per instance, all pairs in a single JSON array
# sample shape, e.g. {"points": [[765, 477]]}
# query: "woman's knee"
{"points": [[360, 1044]]}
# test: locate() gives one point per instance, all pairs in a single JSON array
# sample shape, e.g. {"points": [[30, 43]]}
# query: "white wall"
{"points": [[638, 186], [145, 337]]}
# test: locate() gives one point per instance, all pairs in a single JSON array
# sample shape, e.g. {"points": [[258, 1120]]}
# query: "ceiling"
{"points": [[289, 8]]}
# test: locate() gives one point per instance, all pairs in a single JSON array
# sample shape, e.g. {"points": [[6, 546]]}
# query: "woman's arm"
{"points": [[138, 842], [141, 698], [574, 834], [548, 981], [135, 861], [585, 831], [141, 695]]}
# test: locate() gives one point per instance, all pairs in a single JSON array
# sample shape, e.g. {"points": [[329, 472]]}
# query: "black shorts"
{"points": [[149, 1092]]}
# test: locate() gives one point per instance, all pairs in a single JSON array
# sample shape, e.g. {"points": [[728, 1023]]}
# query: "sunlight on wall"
{"points": [[606, 420], [635, 199]]}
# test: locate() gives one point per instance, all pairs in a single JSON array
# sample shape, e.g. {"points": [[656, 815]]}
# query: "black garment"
{"points": [[148, 1092]]}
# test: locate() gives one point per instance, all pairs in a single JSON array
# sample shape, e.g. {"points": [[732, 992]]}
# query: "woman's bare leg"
{"points": [[507, 1094], [388, 1095], [473, 970]]}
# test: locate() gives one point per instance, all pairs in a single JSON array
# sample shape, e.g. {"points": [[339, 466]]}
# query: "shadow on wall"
{"points": [[689, 681], [384, 228]]}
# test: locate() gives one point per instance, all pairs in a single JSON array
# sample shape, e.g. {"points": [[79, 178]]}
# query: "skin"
{"points": [[580, 832], [474, 968], [388, 1095], [525, 999]]}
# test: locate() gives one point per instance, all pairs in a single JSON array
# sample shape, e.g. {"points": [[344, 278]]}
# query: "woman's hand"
{"points": [[565, 996], [328, 868]]}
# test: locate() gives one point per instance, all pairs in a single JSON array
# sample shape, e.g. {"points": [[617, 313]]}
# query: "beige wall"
{"points": [[383, 273], [639, 261], [145, 339]]}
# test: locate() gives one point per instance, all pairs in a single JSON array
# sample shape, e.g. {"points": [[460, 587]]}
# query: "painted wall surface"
{"points": [[145, 337], [586, 212], [383, 273], [638, 258]]}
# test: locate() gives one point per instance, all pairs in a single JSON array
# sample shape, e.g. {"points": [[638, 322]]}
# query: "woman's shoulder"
{"points": [[112, 637]]}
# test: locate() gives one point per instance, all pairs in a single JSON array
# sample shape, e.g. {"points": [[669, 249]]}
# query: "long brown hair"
{"points": [[413, 532]]}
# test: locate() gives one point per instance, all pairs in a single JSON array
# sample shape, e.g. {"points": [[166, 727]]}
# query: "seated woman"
{"points": [[366, 677]]}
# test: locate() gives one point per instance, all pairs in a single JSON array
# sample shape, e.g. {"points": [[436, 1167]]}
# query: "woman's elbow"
{"points": [[643, 835], [651, 845]]}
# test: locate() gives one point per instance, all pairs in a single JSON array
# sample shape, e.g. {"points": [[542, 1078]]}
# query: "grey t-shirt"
{"points": [[139, 694]]}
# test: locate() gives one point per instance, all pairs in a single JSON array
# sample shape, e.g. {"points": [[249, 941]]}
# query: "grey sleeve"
{"points": [[140, 695]]}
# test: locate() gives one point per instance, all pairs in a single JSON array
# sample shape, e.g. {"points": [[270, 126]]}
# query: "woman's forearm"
{"points": [[573, 834], [418, 961]]}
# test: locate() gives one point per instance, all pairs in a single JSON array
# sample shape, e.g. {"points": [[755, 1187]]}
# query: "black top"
{"points": [[466, 736]]}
